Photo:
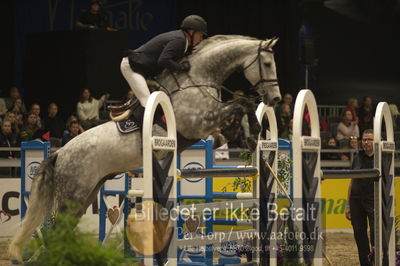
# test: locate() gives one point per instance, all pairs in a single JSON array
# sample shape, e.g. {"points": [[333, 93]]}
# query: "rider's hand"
{"points": [[185, 66]]}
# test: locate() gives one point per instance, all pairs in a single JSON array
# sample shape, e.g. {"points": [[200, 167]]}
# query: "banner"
{"points": [[141, 19], [10, 213], [10, 189]]}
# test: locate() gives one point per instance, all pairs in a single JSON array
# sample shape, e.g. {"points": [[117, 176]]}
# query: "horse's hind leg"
{"points": [[93, 196], [83, 201]]}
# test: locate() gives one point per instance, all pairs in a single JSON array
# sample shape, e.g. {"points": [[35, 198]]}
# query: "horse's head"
{"points": [[260, 70]]}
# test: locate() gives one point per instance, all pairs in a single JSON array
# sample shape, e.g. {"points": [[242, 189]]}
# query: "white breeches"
{"points": [[136, 82]]}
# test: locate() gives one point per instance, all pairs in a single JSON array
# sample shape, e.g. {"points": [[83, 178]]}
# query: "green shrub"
{"points": [[64, 244]]}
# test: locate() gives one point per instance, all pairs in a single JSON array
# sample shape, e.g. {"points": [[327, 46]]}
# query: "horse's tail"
{"points": [[40, 204]]}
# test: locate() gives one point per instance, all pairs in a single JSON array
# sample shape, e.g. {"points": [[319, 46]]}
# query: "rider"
{"points": [[163, 51]]}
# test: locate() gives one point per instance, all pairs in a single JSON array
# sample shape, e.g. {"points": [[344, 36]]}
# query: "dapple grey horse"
{"points": [[78, 170]]}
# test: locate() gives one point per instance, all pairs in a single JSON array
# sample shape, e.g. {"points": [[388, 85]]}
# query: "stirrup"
{"points": [[121, 116]]}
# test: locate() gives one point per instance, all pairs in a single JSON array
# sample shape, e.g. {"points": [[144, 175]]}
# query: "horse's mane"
{"points": [[203, 47], [217, 39]]}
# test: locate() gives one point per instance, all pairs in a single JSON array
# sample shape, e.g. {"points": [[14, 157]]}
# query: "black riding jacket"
{"points": [[163, 51]]}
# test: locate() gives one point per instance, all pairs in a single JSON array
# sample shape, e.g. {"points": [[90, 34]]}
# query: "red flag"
{"points": [[46, 136]]}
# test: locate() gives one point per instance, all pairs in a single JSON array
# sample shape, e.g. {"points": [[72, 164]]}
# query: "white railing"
{"points": [[5, 162], [325, 111]]}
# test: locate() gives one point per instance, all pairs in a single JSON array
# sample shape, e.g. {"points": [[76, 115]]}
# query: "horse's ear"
{"points": [[271, 42]]}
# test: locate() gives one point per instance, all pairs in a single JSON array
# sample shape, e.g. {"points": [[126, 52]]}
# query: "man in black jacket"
{"points": [[360, 207], [95, 18], [163, 51]]}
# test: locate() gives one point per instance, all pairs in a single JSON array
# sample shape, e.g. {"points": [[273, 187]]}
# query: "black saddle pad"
{"points": [[128, 125], [135, 120]]}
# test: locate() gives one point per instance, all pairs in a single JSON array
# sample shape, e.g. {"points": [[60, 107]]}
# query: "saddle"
{"points": [[129, 115], [117, 110], [134, 118]]}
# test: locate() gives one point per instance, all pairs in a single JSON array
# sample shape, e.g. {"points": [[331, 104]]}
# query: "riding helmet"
{"points": [[194, 22]]}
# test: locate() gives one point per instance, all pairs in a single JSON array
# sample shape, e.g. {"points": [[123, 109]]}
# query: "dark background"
{"points": [[356, 44]]}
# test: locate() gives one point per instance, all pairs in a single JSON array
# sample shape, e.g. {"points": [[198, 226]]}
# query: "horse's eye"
{"points": [[267, 64]]}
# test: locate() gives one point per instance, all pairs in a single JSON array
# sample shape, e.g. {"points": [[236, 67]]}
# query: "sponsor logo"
{"points": [[311, 143], [193, 165], [32, 168], [388, 146], [268, 145], [164, 143]]}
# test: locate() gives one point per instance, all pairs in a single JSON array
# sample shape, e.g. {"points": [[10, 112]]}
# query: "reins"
{"points": [[218, 88]]}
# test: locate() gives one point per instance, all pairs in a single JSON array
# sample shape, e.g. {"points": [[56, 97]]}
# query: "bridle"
{"points": [[262, 79]]}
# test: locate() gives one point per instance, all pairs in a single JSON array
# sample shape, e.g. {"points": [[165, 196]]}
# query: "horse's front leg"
{"points": [[231, 117], [242, 113]]}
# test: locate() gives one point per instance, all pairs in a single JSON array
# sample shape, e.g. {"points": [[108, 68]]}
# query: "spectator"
{"points": [[284, 122], [352, 106], [18, 109], [15, 124], [287, 99], [54, 124], [14, 95], [395, 114], [30, 130], [306, 128], [290, 129], [353, 146], [347, 127], [88, 109], [360, 200], [3, 107], [8, 139], [94, 18], [219, 142], [366, 114], [72, 132], [331, 144], [323, 125], [367, 121], [35, 109], [71, 119]]}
